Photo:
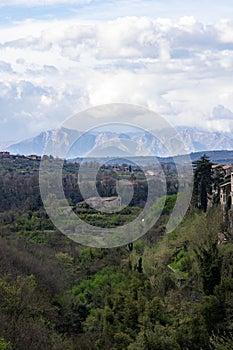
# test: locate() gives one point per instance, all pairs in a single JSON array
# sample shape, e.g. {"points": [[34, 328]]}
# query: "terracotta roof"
{"points": [[225, 167], [107, 199], [214, 166]]}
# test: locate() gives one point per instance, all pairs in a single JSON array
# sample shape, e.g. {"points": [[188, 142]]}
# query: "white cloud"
{"points": [[179, 68], [225, 30]]}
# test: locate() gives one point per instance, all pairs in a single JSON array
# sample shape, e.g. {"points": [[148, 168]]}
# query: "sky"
{"points": [[58, 58]]}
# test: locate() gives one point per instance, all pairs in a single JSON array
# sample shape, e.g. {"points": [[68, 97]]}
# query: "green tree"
{"points": [[210, 264], [4, 345], [202, 182]]}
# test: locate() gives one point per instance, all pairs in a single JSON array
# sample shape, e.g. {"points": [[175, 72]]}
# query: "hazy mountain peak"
{"points": [[133, 144]]}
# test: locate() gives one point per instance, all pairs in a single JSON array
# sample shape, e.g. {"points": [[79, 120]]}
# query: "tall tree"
{"points": [[202, 182]]}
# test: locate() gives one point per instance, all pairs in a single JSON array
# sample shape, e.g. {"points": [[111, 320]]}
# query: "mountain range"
{"points": [[112, 143]]}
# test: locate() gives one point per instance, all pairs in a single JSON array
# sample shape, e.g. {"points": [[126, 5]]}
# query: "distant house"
{"points": [[227, 169], [122, 169], [232, 188], [34, 157], [4, 153], [151, 172], [218, 169], [216, 166], [98, 203], [117, 170], [225, 190], [104, 202]]}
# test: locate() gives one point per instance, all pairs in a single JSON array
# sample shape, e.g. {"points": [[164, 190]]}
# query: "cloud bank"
{"points": [[180, 68]]}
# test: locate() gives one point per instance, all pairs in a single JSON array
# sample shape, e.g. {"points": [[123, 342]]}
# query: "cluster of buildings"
{"points": [[226, 188], [226, 198], [4, 153], [31, 156], [34, 157]]}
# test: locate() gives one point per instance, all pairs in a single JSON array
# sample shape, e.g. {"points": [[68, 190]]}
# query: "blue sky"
{"points": [[60, 57], [207, 10], [18, 10]]}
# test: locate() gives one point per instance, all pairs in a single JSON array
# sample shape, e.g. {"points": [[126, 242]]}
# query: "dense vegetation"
{"points": [[165, 291]]}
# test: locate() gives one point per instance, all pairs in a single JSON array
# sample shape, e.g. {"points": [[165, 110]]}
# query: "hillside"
{"points": [[165, 291]]}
